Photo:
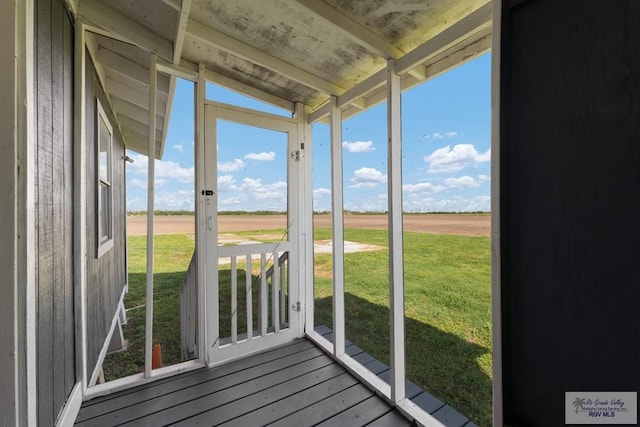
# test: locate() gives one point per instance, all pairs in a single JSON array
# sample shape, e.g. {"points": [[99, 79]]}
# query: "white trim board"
{"points": [[79, 203], [17, 128], [71, 408]]}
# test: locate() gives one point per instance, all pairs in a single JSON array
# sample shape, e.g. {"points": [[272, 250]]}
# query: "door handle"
{"points": [[210, 223]]}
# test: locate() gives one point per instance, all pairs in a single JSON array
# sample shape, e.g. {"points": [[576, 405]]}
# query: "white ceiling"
{"points": [[278, 51]]}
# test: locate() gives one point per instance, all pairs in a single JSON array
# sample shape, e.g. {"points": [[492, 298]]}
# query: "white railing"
{"points": [[272, 281]]}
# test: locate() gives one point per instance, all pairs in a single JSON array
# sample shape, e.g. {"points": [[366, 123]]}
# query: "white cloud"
{"points": [[440, 135], [484, 178], [461, 182], [166, 170], [175, 200], [377, 203], [252, 194], [367, 177], [226, 183], [423, 187], [445, 159], [231, 166], [320, 201], [358, 146], [454, 204], [179, 148], [321, 192], [139, 183], [263, 157]]}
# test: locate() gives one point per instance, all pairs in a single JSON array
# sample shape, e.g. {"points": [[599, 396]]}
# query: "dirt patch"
{"points": [[325, 247], [462, 224]]}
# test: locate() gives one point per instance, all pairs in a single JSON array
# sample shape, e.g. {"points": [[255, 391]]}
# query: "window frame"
{"points": [[104, 241]]}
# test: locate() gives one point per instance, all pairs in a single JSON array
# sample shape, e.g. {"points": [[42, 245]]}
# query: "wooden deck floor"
{"points": [[293, 385]]}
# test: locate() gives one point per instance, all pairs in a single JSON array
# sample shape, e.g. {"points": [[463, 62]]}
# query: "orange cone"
{"points": [[156, 357]]}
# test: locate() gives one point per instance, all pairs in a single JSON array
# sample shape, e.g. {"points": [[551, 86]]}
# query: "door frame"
{"points": [[213, 112]]}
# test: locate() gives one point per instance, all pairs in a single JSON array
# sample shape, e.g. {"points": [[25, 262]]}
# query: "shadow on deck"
{"points": [[293, 385]]}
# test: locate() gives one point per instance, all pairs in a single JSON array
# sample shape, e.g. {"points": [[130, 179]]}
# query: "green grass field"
{"points": [[447, 307]]}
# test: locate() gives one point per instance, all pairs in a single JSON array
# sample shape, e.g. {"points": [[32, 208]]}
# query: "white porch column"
{"points": [[306, 218], [337, 219], [153, 84], [396, 272], [203, 325], [17, 186], [79, 205]]}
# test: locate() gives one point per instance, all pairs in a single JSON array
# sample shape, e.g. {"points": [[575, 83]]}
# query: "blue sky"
{"points": [[446, 150]]}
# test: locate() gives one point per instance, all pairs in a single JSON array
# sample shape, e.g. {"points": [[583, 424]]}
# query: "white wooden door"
{"points": [[252, 287]]}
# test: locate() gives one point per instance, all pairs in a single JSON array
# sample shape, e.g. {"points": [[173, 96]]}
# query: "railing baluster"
{"points": [[234, 301], [248, 291], [264, 306], [275, 281], [283, 286]]}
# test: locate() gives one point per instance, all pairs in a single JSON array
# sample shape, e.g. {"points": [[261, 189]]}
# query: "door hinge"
{"points": [[297, 306], [296, 155]]}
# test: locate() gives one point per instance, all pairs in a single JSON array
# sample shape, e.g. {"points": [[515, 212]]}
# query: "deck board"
{"points": [[281, 357], [298, 397], [359, 415], [234, 400], [294, 384], [318, 412]]}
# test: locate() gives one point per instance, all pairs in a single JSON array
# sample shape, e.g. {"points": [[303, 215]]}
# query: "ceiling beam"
{"points": [[172, 4], [181, 31], [103, 17], [130, 134], [184, 10], [473, 23], [134, 125], [258, 56], [241, 88], [436, 66], [128, 68], [125, 108], [352, 29], [125, 92], [419, 63]]}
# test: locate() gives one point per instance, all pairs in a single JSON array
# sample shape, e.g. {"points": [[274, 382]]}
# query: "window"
{"points": [[104, 135]]}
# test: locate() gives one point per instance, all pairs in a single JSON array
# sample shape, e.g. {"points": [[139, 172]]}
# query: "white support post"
{"points": [[275, 299], [249, 296], [496, 278], [337, 220], [396, 273], [234, 300], [153, 84], [305, 192], [264, 302], [200, 98], [282, 289], [80, 211], [17, 186]]}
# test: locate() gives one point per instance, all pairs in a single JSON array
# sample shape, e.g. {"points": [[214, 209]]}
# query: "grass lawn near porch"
{"points": [[447, 307]]}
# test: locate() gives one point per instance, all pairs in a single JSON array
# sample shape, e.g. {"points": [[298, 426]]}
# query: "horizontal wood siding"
{"points": [[570, 186], [54, 209], [106, 275]]}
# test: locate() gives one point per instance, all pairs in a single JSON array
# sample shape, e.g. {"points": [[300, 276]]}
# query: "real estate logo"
{"points": [[601, 407]]}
